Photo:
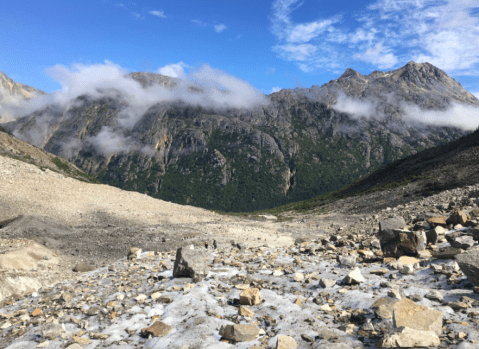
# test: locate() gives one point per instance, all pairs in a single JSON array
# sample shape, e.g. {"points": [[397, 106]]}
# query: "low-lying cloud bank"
{"points": [[463, 116], [206, 87]]}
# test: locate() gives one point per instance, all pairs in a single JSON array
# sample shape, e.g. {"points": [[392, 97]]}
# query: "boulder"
{"points": [[51, 330], [354, 277], [191, 263], [82, 267], [158, 329], [134, 253], [383, 307], [405, 337], [447, 253], [239, 333], [463, 242], [469, 264], [250, 296], [348, 261], [438, 220], [286, 342], [418, 317], [396, 243], [457, 217], [325, 283], [392, 223]]}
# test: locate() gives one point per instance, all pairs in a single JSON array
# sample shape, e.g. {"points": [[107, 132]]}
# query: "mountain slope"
{"points": [[16, 149], [294, 147], [13, 92]]}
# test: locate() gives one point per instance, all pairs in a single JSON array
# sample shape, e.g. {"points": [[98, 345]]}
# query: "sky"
{"points": [[271, 44]]}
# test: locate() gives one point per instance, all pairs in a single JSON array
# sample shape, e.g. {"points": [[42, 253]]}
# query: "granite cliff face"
{"points": [[298, 145]]}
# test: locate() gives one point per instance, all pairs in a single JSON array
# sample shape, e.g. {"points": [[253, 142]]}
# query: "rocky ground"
{"points": [[375, 271]]}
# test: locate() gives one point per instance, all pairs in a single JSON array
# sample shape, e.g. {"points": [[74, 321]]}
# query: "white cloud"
{"points": [[476, 94], [379, 56], [458, 115], [207, 87], [220, 27], [275, 89], [387, 33], [176, 70], [157, 13], [200, 23], [292, 52]]}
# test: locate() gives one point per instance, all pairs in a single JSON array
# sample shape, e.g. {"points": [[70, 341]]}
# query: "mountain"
{"points": [[13, 92], [299, 144]]}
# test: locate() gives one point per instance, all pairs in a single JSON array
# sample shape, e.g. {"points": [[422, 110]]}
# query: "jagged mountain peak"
{"points": [[149, 79], [350, 73], [12, 92]]}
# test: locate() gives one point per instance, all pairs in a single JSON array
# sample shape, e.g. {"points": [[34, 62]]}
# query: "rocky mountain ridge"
{"points": [[295, 147]]}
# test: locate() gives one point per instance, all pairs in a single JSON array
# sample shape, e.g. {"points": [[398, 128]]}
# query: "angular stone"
{"points": [[245, 311], [383, 307], [406, 337], [418, 317], [447, 253], [191, 263], [463, 242], [348, 261], [392, 223], [51, 330], [286, 342], [431, 236], [298, 277], [397, 293], [381, 271], [134, 253], [396, 243], [250, 296], [458, 217], [158, 329], [469, 264], [354, 277], [325, 283], [37, 312], [239, 333], [435, 296], [438, 220], [407, 260], [82, 267]]}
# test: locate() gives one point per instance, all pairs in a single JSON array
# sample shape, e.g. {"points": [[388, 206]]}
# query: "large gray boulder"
{"points": [[392, 223], [396, 242], [191, 263], [469, 264]]}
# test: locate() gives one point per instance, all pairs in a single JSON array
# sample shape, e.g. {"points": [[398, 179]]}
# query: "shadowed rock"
{"points": [[191, 263]]}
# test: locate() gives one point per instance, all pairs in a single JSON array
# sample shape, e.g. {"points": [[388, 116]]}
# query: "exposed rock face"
{"points": [[296, 147], [191, 263]]}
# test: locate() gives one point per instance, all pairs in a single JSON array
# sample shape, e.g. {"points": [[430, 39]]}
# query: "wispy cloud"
{"points": [[388, 32], [220, 27], [137, 15], [217, 27], [200, 23], [157, 13]]}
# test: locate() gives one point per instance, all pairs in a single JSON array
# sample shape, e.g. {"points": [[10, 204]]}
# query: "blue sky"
{"points": [[270, 44]]}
